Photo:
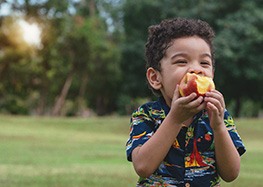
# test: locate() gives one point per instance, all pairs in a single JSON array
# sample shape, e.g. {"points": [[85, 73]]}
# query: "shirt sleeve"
{"points": [[231, 127], [141, 129]]}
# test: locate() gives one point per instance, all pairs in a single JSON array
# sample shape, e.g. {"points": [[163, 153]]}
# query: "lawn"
{"points": [[76, 152]]}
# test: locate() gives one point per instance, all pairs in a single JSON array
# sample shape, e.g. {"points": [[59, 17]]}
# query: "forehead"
{"points": [[189, 45]]}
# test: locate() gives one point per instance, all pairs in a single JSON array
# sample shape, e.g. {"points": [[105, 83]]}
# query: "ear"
{"points": [[154, 78]]}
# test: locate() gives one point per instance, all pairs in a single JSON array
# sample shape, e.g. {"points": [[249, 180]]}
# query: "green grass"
{"points": [[64, 152], [76, 152], [252, 161]]}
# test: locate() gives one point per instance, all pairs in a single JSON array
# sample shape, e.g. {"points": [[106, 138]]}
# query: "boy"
{"points": [[182, 141]]}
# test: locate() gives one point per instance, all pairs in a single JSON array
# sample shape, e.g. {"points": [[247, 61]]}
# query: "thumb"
{"points": [[176, 92]]}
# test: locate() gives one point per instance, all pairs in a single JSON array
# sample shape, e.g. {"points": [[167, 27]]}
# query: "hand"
{"points": [[215, 105], [184, 108]]}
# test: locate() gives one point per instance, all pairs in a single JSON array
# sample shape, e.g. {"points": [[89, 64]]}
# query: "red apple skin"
{"points": [[189, 85]]}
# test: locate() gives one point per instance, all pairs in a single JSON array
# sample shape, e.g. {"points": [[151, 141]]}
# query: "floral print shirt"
{"points": [[191, 159]]}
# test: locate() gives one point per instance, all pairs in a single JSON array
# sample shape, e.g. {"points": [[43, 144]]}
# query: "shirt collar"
{"points": [[164, 106]]}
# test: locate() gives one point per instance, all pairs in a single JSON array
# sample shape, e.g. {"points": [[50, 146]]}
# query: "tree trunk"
{"points": [[92, 8], [44, 90], [101, 105], [62, 97], [3, 68], [81, 105], [40, 110]]}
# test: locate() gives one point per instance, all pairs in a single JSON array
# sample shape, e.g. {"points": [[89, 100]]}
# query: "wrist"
{"points": [[174, 120], [219, 128]]}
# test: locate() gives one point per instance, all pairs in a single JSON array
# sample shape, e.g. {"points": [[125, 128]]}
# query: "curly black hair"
{"points": [[161, 35]]}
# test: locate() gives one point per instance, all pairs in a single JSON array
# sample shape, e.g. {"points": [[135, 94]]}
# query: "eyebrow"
{"points": [[185, 55], [179, 54], [206, 55]]}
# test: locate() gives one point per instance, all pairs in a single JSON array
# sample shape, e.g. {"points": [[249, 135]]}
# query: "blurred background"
{"points": [[86, 57]]}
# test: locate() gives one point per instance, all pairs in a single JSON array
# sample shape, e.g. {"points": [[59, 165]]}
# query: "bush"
{"points": [[250, 109], [14, 105], [127, 104]]}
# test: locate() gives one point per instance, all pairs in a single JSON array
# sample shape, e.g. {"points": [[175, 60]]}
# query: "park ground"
{"points": [[78, 152]]}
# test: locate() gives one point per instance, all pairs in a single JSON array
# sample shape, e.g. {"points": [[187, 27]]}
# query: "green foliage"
{"points": [[127, 105], [238, 27], [75, 43], [138, 15], [14, 105], [102, 65], [97, 48], [239, 40], [248, 108]]}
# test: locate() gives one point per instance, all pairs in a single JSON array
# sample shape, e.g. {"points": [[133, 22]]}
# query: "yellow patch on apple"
{"points": [[199, 84]]}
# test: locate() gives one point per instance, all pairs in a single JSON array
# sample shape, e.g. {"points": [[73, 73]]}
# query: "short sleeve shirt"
{"points": [[191, 159]]}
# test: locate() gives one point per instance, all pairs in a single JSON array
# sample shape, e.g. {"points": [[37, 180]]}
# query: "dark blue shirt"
{"points": [[191, 159]]}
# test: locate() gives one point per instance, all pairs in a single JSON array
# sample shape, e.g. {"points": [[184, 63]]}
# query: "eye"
{"points": [[180, 62], [205, 63]]}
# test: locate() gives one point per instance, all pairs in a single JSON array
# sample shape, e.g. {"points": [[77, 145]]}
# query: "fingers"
{"points": [[196, 102], [189, 102], [211, 107], [188, 99], [216, 95], [215, 106], [215, 102], [176, 92], [192, 103]]}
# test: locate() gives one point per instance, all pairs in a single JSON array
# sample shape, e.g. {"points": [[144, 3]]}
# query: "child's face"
{"points": [[189, 54]]}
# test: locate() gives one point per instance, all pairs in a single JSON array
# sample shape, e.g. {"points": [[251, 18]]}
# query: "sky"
{"points": [[4, 9]]}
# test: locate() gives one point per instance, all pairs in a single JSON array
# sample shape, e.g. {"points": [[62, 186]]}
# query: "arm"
{"points": [[227, 157], [147, 158]]}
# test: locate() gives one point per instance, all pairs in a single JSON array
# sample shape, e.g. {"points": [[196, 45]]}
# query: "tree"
{"points": [[76, 50], [92, 52], [138, 16], [239, 43], [238, 27]]}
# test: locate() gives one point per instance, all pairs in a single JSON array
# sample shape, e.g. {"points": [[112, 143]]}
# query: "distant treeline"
{"points": [[91, 56]]}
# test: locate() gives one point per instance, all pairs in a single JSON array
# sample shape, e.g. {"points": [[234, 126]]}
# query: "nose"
{"points": [[196, 71], [196, 68]]}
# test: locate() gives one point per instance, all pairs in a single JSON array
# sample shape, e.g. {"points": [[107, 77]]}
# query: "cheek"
{"points": [[171, 76], [171, 86], [178, 77], [209, 72]]}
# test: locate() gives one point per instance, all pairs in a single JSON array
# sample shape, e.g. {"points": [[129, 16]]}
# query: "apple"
{"points": [[199, 84]]}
